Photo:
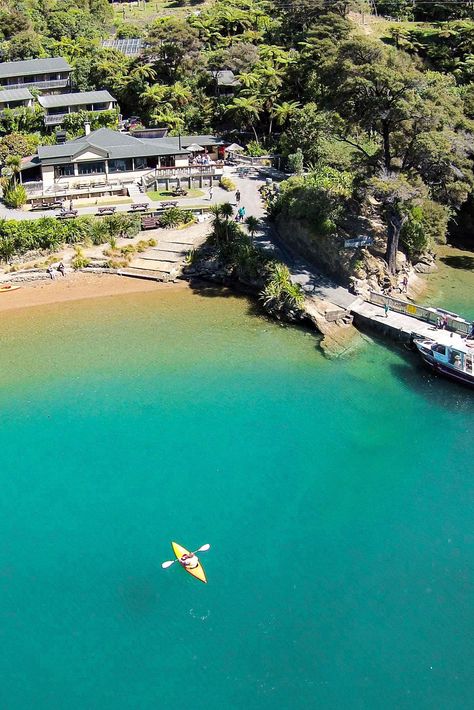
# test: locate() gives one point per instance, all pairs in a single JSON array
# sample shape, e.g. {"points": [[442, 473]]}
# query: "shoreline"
{"points": [[78, 287]]}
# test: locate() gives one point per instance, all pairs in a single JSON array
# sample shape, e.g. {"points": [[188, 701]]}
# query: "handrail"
{"points": [[424, 313]]}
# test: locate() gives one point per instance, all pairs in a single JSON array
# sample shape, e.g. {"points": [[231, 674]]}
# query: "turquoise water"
{"points": [[337, 497]]}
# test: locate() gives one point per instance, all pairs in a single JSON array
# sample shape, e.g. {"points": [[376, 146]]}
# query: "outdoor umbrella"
{"points": [[234, 148], [195, 148]]}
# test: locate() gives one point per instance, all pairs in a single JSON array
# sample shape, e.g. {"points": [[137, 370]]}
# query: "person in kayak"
{"points": [[189, 560]]}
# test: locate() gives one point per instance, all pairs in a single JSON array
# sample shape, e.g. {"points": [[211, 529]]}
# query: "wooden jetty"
{"points": [[403, 320]]}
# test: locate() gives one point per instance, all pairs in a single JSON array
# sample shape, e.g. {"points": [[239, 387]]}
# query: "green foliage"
{"points": [[15, 196], [280, 293], [227, 184], [174, 216], [425, 226], [296, 162], [18, 144], [317, 198], [79, 261], [49, 233], [254, 149], [74, 122]]}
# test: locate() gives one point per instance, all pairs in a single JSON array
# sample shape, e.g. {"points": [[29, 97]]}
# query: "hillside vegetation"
{"points": [[390, 118]]}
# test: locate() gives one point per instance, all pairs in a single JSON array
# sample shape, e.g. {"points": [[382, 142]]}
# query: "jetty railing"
{"points": [[424, 313]]}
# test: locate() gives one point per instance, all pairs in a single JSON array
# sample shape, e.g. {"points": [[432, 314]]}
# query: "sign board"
{"points": [[411, 309], [359, 242]]}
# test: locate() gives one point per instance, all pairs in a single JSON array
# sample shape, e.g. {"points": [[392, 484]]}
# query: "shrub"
{"points": [[296, 162], [15, 196], [227, 184], [79, 261], [174, 216], [255, 150]]}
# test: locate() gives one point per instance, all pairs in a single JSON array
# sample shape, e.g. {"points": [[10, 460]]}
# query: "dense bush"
{"points": [[318, 198], [48, 233], [174, 216], [227, 184], [15, 196]]}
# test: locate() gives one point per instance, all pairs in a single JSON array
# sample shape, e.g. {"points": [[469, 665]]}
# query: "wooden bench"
{"points": [[139, 207], [67, 214], [48, 206], [150, 222], [106, 210], [169, 203]]}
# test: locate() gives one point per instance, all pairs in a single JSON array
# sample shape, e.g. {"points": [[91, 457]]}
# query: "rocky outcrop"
{"points": [[426, 264]]}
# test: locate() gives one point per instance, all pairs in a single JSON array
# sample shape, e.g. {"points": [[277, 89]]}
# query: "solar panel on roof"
{"points": [[126, 46]]}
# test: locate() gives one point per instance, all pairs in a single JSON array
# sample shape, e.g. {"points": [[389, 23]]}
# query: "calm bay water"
{"points": [[337, 497]]}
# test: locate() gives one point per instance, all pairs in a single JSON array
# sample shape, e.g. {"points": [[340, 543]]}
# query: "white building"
{"points": [[106, 161], [58, 106]]}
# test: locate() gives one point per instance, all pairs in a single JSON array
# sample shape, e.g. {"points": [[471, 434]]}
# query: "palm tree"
{"points": [[179, 94], [253, 225], [281, 113], [248, 110], [226, 210], [12, 168]]}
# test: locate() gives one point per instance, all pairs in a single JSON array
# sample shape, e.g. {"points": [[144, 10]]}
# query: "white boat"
{"points": [[448, 354]]}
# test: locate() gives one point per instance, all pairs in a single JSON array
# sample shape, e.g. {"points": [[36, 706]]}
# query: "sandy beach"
{"points": [[77, 287]]}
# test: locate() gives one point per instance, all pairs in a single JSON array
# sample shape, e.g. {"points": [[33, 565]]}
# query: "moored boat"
{"points": [[448, 354], [6, 288], [198, 571]]}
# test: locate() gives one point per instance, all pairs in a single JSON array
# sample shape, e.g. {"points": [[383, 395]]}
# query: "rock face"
{"points": [[326, 251], [358, 269], [426, 264]]}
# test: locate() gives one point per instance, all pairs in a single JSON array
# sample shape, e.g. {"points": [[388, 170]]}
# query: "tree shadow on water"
{"points": [[459, 262]]}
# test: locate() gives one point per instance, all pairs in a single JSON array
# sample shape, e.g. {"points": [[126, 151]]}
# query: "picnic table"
{"points": [[48, 205], [67, 214], [179, 192], [139, 206], [106, 210], [169, 203]]}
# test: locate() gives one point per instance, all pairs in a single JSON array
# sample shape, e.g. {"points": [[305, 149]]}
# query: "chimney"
{"points": [[87, 128]]}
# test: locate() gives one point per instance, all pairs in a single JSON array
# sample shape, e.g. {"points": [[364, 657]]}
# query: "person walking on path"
{"points": [[237, 197], [211, 192], [386, 309], [241, 214]]}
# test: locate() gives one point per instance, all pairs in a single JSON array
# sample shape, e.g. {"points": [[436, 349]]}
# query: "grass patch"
{"points": [[143, 13], [166, 194]]}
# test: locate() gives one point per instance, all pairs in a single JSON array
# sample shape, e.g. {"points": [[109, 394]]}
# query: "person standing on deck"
{"points": [[237, 197]]}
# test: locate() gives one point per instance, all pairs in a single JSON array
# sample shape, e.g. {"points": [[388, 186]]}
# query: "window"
{"points": [[167, 161], [91, 168], [441, 349], [64, 170], [120, 165], [140, 164]]}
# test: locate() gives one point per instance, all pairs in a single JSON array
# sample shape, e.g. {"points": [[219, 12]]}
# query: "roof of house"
{"points": [[109, 144], [226, 77], [82, 97], [30, 67], [188, 140], [14, 95]]}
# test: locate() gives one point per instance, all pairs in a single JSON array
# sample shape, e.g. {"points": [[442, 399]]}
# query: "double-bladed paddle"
{"points": [[167, 564]]}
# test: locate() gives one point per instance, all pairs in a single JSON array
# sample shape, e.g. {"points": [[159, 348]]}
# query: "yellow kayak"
{"points": [[198, 571], [9, 287]]}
